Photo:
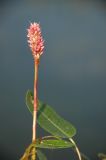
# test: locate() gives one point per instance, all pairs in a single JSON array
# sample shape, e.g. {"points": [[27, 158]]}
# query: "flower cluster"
{"points": [[35, 40]]}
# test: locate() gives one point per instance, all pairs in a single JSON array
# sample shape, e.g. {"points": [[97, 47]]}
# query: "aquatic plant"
{"points": [[61, 131]]}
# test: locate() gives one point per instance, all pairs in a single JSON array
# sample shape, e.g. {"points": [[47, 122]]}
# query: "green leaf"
{"points": [[53, 144], [49, 120], [41, 155], [29, 100]]}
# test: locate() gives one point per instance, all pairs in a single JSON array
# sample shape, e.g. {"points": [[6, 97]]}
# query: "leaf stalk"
{"points": [[76, 148]]}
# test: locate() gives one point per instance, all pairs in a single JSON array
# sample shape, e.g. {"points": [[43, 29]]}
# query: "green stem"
{"points": [[76, 148]]}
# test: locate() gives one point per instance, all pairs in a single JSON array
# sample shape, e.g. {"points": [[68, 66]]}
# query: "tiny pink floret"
{"points": [[35, 40]]}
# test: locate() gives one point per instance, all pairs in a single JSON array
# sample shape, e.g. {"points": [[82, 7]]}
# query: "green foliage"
{"points": [[53, 144], [32, 149], [41, 155], [49, 120]]}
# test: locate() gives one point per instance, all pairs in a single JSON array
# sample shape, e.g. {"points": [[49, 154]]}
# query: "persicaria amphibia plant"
{"points": [[42, 113]]}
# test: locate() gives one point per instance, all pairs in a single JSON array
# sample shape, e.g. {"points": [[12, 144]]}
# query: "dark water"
{"points": [[72, 74]]}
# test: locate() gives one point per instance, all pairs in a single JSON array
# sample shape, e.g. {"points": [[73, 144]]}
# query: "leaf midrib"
{"points": [[51, 122], [55, 125]]}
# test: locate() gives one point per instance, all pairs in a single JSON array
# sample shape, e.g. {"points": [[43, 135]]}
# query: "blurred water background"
{"points": [[72, 74]]}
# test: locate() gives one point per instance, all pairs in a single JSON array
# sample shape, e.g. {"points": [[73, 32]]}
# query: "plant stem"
{"points": [[76, 148], [35, 100]]}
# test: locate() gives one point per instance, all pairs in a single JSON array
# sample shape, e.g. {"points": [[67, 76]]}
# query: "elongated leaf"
{"points": [[29, 101], [41, 155], [53, 144], [49, 120]]}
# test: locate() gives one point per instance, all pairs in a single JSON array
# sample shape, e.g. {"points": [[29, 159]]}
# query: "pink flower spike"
{"points": [[35, 40]]}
